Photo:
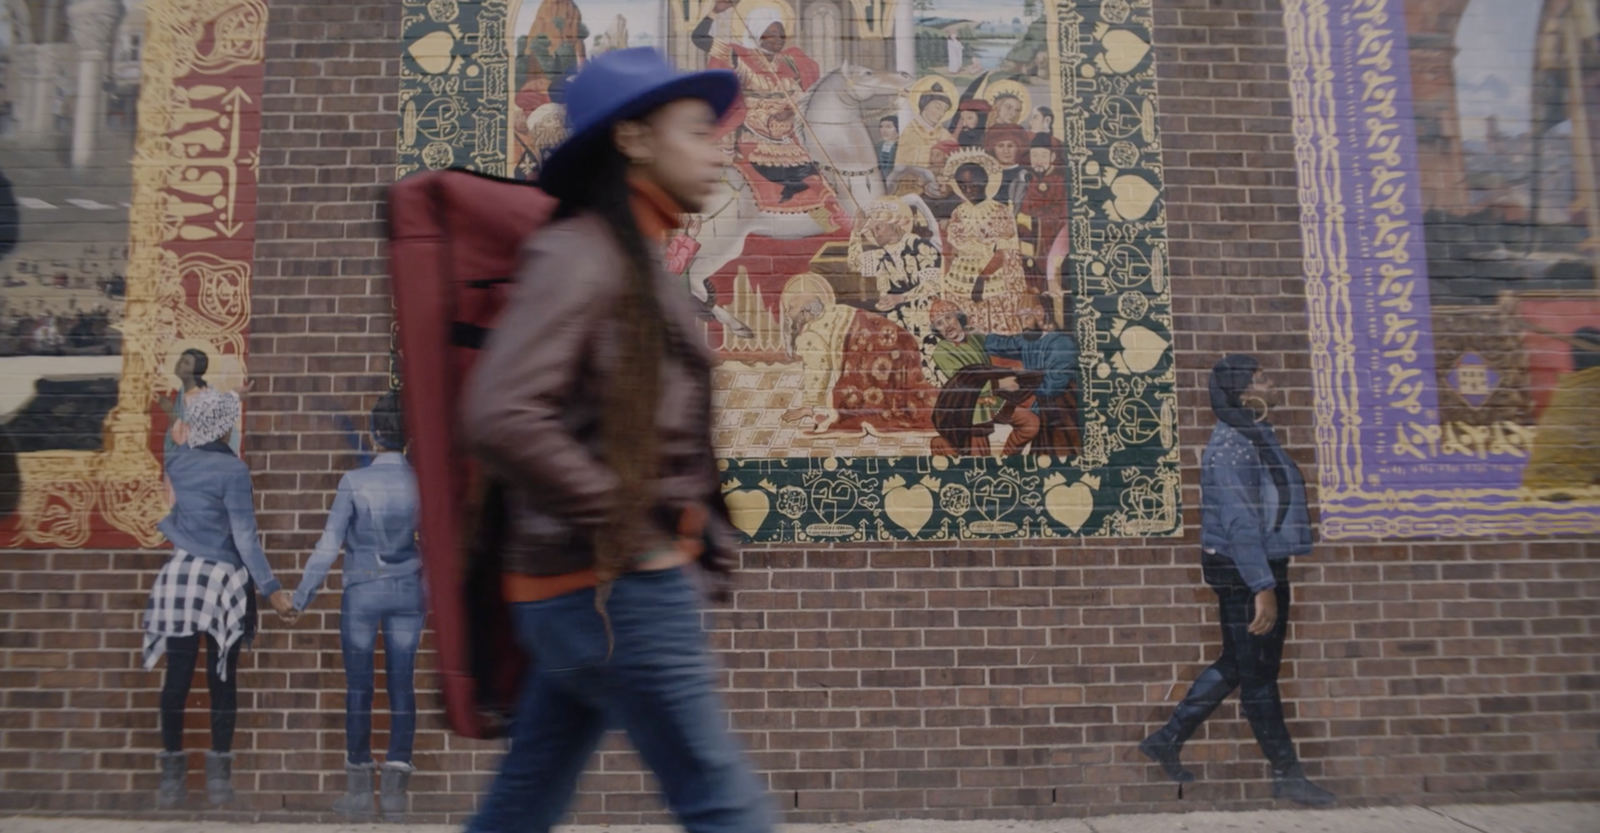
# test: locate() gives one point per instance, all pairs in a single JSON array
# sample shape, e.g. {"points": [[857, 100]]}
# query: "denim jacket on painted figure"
{"points": [[374, 520], [1239, 504], [214, 514]]}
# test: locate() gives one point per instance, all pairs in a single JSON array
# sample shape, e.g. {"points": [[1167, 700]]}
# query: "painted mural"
{"points": [[1451, 216], [128, 136], [937, 277]]}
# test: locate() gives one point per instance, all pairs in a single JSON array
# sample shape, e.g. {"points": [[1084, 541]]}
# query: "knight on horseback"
{"points": [[774, 76]]}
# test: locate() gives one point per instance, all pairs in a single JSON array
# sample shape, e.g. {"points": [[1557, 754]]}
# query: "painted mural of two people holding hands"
{"points": [[207, 590]]}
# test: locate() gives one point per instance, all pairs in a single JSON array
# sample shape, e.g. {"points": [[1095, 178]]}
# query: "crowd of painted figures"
{"points": [[950, 320], [962, 326], [961, 252]]}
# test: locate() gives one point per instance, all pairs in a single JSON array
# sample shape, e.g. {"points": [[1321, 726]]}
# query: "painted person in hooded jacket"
{"points": [[1253, 519]]}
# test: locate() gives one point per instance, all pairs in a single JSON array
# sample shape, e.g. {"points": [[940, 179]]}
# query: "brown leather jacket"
{"points": [[532, 409]]}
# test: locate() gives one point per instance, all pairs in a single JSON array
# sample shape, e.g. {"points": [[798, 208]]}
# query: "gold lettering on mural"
{"points": [[1391, 235], [212, 181], [1408, 438], [1461, 439], [1481, 441]]}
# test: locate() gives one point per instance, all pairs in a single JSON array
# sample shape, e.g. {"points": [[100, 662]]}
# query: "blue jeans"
{"points": [[657, 686], [397, 606]]}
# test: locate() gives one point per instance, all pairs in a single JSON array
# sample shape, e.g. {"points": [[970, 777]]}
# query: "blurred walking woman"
{"points": [[1253, 517], [205, 591]]}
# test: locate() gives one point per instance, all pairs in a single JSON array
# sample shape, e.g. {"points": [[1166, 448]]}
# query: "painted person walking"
{"points": [[206, 591], [1253, 518], [591, 405], [374, 522]]}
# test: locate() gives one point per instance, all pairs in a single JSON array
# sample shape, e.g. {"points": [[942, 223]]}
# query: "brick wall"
{"points": [[1006, 680]]}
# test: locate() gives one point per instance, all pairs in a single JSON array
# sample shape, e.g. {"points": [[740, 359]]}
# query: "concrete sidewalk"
{"points": [[1461, 818]]}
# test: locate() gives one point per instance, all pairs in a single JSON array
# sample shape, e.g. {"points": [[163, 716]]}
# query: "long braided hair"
{"points": [[627, 416]]}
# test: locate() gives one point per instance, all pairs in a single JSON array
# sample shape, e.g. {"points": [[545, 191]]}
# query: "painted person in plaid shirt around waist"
{"points": [[206, 591]]}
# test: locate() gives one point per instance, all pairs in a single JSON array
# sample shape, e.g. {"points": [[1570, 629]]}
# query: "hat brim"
{"points": [[718, 88]]}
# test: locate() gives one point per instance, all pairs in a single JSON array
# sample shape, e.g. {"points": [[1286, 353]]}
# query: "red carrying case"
{"points": [[454, 238]]}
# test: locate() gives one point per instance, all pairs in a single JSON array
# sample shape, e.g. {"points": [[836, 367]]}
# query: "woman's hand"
{"points": [[1266, 612]]}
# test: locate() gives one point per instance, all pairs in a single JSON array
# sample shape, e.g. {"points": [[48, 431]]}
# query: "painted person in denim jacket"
{"points": [[374, 522], [1253, 518], [204, 594]]}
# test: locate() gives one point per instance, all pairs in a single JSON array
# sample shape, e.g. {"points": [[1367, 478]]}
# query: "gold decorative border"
{"points": [[189, 265], [1349, 509]]}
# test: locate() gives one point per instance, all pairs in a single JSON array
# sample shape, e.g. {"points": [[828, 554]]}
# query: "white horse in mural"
{"points": [[835, 133]]}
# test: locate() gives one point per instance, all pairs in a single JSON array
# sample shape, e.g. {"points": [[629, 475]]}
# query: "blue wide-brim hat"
{"points": [[622, 85]]}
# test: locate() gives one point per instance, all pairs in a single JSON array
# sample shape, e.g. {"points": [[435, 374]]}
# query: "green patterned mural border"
{"points": [[454, 98], [454, 86]]}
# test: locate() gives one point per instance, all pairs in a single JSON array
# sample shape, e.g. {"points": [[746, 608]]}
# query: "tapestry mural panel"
{"points": [[1447, 154], [128, 138], [937, 275]]}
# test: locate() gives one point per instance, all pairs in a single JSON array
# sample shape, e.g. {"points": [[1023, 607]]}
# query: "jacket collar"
{"points": [[654, 210]]}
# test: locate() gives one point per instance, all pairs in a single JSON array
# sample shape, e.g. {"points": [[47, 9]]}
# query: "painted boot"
{"points": [[219, 778], [393, 800], [1291, 783], [356, 803], [1164, 752], [174, 773]]}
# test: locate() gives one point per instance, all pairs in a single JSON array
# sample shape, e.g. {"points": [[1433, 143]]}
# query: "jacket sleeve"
{"points": [[526, 375], [1239, 484], [328, 546], [237, 497]]}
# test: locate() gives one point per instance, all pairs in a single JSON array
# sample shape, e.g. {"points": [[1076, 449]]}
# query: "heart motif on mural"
{"points": [[832, 500], [994, 498], [910, 507], [748, 509], [1072, 505]]}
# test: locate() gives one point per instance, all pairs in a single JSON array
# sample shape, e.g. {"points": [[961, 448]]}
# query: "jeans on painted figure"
{"points": [[1249, 663], [397, 607], [657, 686]]}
